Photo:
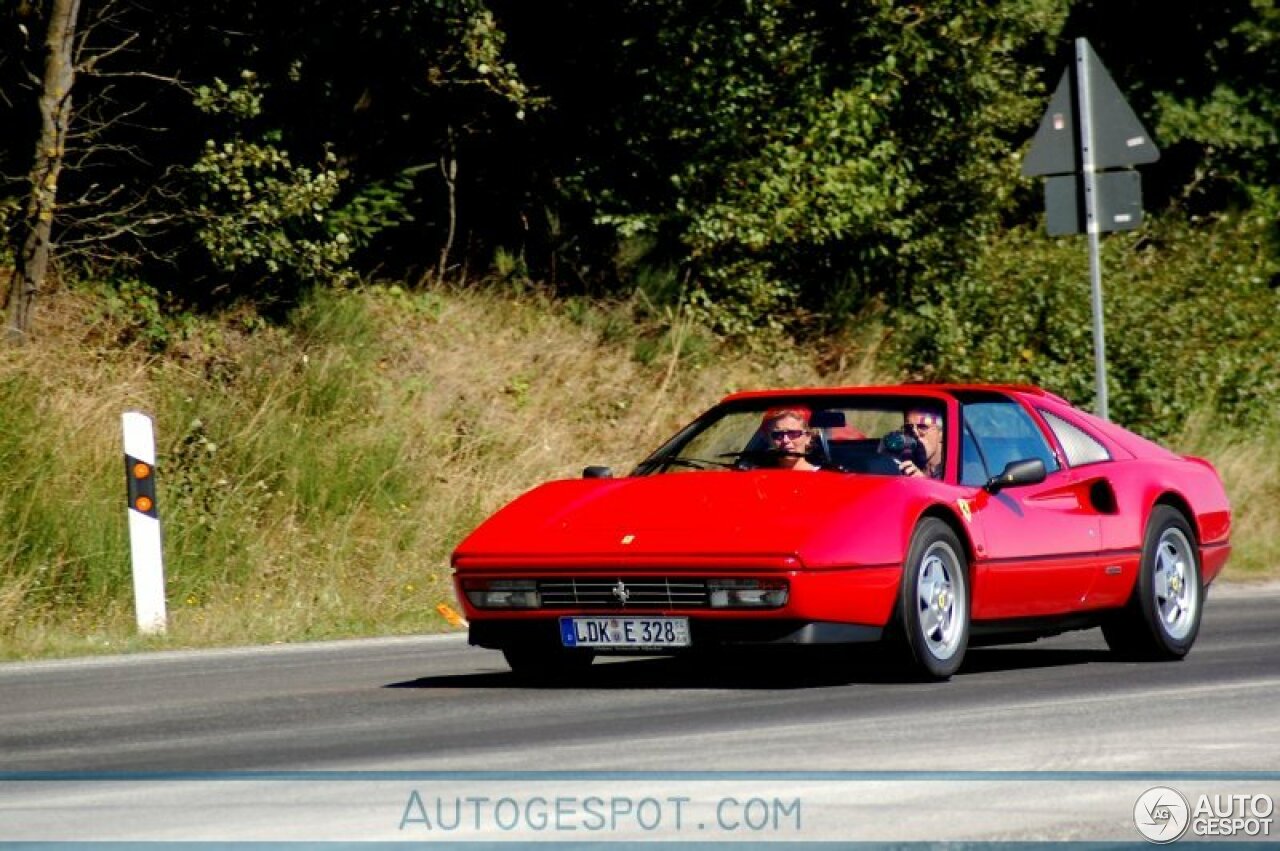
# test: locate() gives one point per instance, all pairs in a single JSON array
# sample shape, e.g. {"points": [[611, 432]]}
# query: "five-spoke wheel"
{"points": [[933, 608], [1162, 618]]}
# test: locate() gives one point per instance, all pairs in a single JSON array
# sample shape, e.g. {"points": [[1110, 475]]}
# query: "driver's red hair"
{"points": [[800, 412]]}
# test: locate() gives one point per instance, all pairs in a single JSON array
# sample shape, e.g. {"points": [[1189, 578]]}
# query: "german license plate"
{"points": [[624, 632]]}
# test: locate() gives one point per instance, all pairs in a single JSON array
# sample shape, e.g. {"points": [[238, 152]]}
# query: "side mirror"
{"points": [[1029, 471], [597, 473]]}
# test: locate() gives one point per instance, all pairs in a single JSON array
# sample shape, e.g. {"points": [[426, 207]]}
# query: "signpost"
{"points": [[1088, 141]]}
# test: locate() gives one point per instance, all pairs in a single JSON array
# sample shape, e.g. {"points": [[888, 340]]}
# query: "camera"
{"points": [[901, 446]]}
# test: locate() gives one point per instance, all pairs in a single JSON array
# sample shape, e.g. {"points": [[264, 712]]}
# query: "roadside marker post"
{"points": [[144, 523]]}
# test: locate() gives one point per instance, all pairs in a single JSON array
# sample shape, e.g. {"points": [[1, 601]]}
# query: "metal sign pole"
{"points": [[1087, 144], [1092, 224]]}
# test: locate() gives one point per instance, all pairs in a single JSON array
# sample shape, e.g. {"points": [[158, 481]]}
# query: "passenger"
{"points": [[788, 432], [926, 426]]}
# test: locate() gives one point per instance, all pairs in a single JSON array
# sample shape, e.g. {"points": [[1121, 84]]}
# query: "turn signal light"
{"points": [[502, 593], [747, 593]]}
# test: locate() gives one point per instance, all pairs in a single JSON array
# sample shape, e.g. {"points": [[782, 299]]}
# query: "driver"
{"points": [[926, 425], [789, 434]]}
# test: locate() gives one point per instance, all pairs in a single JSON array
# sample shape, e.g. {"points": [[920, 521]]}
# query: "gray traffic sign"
{"points": [[1119, 139], [1054, 150], [1085, 148], [1119, 202]]}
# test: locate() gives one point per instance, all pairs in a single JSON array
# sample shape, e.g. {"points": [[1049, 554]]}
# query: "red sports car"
{"points": [[929, 516]]}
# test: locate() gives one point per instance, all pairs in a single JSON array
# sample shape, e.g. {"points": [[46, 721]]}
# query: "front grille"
{"points": [[616, 593]]}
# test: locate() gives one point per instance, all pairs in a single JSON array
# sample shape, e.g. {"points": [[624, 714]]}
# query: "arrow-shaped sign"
{"points": [[1119, 139]]}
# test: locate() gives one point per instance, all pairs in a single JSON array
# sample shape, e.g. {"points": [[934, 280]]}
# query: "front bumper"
{"points": [[861, 595], [544, 631]]}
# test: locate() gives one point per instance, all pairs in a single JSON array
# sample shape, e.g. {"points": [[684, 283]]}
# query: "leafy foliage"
{"points": [[810, 157], [259, 214], [1189, 317], [1217, 119], [761, 167]]}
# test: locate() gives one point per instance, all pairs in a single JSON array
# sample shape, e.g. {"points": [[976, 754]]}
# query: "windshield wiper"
{"points": [[759, 453], [748, 457], [694, 463]]}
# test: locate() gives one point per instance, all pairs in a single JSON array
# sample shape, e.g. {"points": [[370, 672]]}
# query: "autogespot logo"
{"points": [[1161, 814]]}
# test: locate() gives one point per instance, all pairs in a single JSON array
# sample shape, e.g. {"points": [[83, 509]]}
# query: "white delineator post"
{"points": [[144, 523]]}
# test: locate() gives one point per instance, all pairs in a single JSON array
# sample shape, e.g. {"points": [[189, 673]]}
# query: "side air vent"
{"points": [[1102, 496]]}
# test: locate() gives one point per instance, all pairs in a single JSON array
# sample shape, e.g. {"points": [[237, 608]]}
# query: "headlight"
{"points": [[502, 593], [747, 593]]}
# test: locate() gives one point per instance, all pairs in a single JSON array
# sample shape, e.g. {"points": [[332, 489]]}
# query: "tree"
{"points": [[55, 118], [798, 160], [329, 128]]}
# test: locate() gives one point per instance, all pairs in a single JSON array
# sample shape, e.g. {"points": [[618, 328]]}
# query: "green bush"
{"points": [[1189, 312], [810, 158], [261, 215]]}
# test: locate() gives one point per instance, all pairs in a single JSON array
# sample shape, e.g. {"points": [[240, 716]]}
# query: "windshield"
{"points": [[861, 434]]}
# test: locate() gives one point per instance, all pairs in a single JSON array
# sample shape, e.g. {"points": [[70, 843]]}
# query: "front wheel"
{"points": [[933, 600], [1162, 618]]}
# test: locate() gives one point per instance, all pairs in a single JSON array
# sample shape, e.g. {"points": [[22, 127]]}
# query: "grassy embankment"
{"points": [[314, 478]]}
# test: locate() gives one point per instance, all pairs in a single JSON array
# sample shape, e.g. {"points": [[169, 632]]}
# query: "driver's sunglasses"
{"points": [[918, 428], [789, 433]]}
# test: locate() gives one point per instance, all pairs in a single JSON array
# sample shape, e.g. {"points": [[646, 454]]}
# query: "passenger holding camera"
{"points": [[926, 427]]}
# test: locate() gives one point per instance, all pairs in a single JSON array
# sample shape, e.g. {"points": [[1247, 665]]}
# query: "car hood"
{"points": [[702, 515]]}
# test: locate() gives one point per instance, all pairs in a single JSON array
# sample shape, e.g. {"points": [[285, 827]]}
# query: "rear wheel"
{"points": [[546, 662], [1162, 618], [933, 600]]}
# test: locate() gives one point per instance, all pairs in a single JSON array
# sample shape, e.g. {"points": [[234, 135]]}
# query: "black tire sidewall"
{"points": [[928, 533], [1162, 519]]}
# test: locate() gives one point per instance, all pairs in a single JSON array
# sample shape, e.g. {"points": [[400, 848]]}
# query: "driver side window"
{"points": [[1001, 432]]}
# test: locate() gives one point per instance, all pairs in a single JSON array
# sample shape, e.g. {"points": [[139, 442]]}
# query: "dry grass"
{"points": [[314, 478], [1248, 466]]}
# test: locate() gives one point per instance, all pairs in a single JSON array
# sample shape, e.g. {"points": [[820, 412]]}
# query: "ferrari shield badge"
{"points": [[963, 504]]}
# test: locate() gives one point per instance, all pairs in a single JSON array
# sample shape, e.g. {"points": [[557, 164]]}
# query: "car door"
{"points": [[1040, 543]]}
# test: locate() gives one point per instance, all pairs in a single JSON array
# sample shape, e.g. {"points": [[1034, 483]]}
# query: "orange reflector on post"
{"points": [[140, 478], [145, 546]]}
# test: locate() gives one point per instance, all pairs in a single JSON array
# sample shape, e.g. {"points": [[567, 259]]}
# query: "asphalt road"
{"points": [[1058, 710]]}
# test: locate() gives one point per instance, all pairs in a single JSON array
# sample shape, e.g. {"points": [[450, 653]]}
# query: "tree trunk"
{"points": [[55, 114]]}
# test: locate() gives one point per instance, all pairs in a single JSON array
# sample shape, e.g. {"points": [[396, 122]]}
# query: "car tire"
{"points": [[1162, 618], [547, 663], [933, 600]]}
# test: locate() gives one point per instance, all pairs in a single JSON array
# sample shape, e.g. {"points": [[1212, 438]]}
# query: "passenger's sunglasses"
{"points": [[918, 428], [789, 433]]}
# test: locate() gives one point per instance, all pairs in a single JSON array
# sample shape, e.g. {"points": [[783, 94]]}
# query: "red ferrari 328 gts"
{"points": [[1037, 518]]}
